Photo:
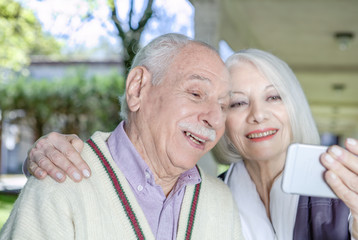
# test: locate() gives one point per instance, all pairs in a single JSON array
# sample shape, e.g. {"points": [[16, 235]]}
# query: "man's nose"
{"points": [[213, 116]]}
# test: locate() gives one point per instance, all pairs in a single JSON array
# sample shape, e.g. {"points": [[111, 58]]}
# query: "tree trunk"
{"points": [[1, 121]]}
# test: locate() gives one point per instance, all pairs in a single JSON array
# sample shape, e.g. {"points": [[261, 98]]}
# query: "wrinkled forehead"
{"points": [[197, 51], [202, 62]]}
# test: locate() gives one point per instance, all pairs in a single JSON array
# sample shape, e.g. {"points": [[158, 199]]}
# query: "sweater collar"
{"points": [[135, 169]]}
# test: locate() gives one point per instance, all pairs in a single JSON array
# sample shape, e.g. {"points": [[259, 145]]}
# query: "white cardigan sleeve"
{"points": [[39, 213]]}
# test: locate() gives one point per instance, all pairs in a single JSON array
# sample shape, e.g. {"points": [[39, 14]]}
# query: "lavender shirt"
{"points": [[162, 213]]}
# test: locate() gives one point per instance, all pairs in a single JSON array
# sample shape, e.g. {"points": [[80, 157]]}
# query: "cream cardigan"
{"points": [[103, 206]]}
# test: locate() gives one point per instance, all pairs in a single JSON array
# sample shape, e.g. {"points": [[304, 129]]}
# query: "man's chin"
{"points": [[189, 163]]}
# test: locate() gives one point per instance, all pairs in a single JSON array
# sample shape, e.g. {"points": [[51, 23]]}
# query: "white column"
{"points": [[207, 21]]}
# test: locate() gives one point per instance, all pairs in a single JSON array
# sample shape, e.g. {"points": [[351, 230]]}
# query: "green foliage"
{"points": [[6, 204], [73, 104], [21, 36], [128, 29], [222, 168]]}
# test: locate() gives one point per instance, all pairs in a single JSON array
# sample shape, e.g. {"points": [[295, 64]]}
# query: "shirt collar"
{"points": [[134, 168]]}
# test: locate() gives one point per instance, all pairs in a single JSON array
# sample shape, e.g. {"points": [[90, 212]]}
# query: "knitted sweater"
{"points": [[103, 206]]}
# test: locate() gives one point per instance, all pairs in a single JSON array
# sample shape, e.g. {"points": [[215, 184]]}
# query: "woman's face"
{"points": [[257, 122]]}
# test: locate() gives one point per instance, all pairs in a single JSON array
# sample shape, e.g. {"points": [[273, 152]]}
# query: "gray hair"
{"points": [[303, 127], [156, 57]]}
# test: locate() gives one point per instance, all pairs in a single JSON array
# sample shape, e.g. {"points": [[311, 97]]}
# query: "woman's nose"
{"points": [[258, 113]]}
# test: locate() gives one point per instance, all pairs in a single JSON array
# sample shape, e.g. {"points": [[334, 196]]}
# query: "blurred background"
{"points": [[63, 63]]}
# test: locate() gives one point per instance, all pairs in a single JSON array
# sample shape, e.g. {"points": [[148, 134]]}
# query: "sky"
{"points": [[62, 19]]}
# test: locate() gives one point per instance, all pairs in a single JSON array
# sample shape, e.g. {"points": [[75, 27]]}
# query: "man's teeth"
{"points": [[262, 134], [195, 138]]}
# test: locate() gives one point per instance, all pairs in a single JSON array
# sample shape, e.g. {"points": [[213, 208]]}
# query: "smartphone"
{"points": [[303, 173]]}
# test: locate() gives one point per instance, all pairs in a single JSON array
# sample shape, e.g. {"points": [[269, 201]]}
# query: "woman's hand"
{"points": [[342, 176], [57, 155]]}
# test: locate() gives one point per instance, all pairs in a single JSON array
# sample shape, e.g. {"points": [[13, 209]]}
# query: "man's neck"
{"points": [[165, 179]]}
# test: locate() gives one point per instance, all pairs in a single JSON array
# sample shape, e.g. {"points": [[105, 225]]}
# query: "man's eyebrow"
{"points": [[236, 92], [199, 77]]}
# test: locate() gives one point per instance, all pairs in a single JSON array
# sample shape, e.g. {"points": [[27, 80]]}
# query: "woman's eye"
{"points": [[275, 98]]}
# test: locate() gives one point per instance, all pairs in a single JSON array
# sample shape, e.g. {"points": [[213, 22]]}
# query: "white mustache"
{"points": [[198, 129]]}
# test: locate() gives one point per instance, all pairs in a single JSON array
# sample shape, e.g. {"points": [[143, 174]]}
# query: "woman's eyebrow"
{"points": [[270, 86]]}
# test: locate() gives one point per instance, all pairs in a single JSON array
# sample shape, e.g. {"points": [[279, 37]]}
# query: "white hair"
{"points": [[277, 72], [156, 57]]}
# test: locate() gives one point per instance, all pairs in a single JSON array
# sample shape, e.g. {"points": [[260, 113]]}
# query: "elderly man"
{"points": [[144, 183]]}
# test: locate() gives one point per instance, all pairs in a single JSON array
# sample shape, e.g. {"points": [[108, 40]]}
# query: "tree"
{"points": [[130, 38], [128, 30], [73, 104], [21, 36]]}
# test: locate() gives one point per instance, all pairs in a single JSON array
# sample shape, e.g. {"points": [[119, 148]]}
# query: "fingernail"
{"points": [[333, 176], [59, 176], [329, 159], [336, 151], [76, 176], [86, 173], [351, 141], [41, 173]]}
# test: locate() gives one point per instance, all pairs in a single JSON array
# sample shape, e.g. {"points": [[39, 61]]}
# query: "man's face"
{"points": [[184, 116]]}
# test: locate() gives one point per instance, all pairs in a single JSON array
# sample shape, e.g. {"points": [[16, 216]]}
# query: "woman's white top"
{"points": [[255, 223], [254, 220]]}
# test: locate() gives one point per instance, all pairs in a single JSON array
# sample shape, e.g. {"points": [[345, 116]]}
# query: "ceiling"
{"points": [[302, 33]]}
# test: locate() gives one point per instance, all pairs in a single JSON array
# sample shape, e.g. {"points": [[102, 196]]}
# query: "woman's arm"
{"points": [[57, 155]]}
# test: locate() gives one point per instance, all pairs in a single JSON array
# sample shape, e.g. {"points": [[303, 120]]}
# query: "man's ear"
{"points": [[137, 79]]}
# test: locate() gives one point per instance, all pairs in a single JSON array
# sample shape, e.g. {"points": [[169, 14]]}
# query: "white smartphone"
{"points": [[303, 172]]}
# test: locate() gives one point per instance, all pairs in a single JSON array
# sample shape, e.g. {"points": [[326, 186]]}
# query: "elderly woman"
{"points": [[267, 112]]}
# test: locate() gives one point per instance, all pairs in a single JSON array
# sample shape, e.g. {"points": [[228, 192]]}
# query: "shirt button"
{"points": [[147, 175], [140, 188]]}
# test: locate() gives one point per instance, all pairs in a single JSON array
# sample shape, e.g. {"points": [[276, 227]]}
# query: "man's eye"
{"points": [[237, 104], [195, 94]]}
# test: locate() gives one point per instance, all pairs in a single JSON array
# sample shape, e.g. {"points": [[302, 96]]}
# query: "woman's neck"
{"points": [[264, 174]]}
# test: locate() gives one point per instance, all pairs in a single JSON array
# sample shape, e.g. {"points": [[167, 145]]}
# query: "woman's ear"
{"points": [[138, 78]]}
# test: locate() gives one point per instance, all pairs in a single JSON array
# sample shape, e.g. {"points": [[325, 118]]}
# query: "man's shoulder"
{"points": [[98, 139], [214, 184], [43, 190], [96, 147], [217, 210]]}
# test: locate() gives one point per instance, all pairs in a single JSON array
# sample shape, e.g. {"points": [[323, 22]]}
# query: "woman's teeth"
{"points": [[262, 134]]}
